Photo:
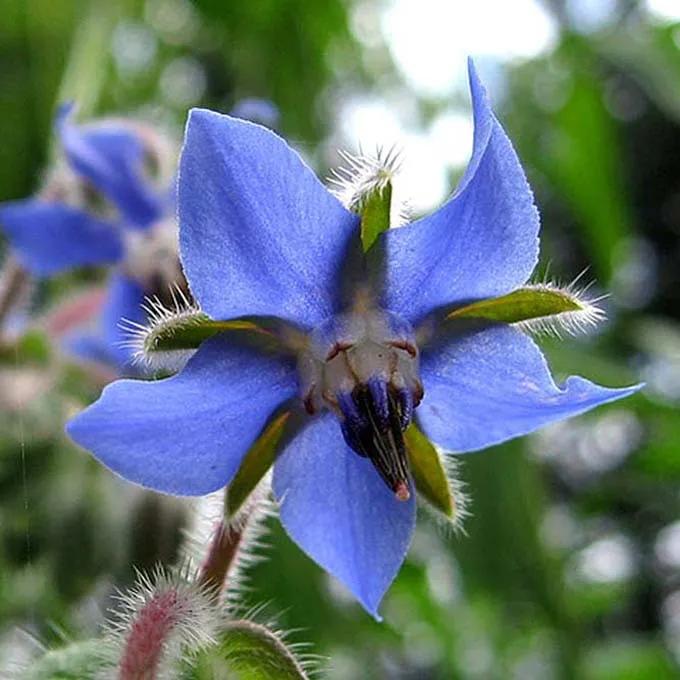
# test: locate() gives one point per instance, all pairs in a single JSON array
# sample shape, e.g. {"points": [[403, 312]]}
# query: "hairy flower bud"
{"points": [[162, 618]]}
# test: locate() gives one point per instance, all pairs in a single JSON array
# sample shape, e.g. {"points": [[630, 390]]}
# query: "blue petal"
{"points": [[488, 386], [51, 237], [259, 234], [482, 243], [337, 509], [123, 303], [111, 157], [186, 434]]}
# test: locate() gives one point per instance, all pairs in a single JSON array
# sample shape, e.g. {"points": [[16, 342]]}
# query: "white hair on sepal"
{"points": [[368, 173], [162, 323], [581, 320], [457, 488]]}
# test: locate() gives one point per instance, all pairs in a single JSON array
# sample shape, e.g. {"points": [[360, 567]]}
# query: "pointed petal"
{"points": [[124, 301], [259, 234], [111, 157], [337, 509], [51, 237], [482, 243], [187, 434], [493, 384]]}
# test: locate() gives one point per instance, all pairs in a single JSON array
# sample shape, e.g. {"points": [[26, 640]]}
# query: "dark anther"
{"points": [[375, 417], [406, 407]]}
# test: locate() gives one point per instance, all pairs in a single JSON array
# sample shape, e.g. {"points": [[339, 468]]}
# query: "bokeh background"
{"points": [[570, 566]]}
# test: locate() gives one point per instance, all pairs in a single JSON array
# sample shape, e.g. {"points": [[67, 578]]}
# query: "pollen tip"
{"points": [[402, 492]]}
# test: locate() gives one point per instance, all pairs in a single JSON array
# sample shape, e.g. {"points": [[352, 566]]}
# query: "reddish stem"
{"points": [[220, 558], [145, 643]]}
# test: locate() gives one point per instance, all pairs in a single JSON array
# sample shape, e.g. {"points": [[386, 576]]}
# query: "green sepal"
{"points": [[523, 304], [189, 332], [374, 210], [257, 461], [31, 348], [428, 472], [74, 662], [245, 651]]}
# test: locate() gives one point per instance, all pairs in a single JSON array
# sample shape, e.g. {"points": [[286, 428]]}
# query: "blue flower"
{"points": [[256, 110], [262, 238], [103, 209]]}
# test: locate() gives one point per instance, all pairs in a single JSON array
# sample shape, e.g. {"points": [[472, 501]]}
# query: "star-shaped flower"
{"points": [[357, 349], [103, 208]]}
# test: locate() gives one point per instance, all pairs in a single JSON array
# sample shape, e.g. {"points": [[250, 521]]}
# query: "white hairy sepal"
{"points": [[159, 622], [366, 175], [440, 488], [457, 488], [539, 308], [583, 318], [149, 342]]}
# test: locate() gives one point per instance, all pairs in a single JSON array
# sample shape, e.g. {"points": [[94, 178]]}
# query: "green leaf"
{"points": [[77, 661], [255, 465], [428, 472], [375, 213], [246, 651], [523, 304]]}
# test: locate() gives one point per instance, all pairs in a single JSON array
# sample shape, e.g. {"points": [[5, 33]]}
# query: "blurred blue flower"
{"points": [[261, 237], [256, 110], [104, 208]]}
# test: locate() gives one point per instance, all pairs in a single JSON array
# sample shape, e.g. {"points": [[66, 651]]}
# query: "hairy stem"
{"points": [[221, 558], [145, 643]]}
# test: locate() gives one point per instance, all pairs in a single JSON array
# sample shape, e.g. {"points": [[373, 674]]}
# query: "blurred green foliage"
{"points": [[569, 566]]}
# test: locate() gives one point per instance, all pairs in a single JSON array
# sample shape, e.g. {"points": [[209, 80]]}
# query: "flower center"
{"points": [[364, 367]]}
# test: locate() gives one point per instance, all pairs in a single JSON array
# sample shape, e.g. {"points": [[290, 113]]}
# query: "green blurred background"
{"points": [[571, 563]]}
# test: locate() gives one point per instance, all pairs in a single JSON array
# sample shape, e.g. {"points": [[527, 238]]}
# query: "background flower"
{"points": [[103, 207]]}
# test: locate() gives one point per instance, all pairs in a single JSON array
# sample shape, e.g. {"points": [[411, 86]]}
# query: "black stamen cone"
{"points": [[377, 433]]}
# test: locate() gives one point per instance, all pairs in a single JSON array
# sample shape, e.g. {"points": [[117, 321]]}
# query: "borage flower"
{"points": [[109, 203], [356, 348]]}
